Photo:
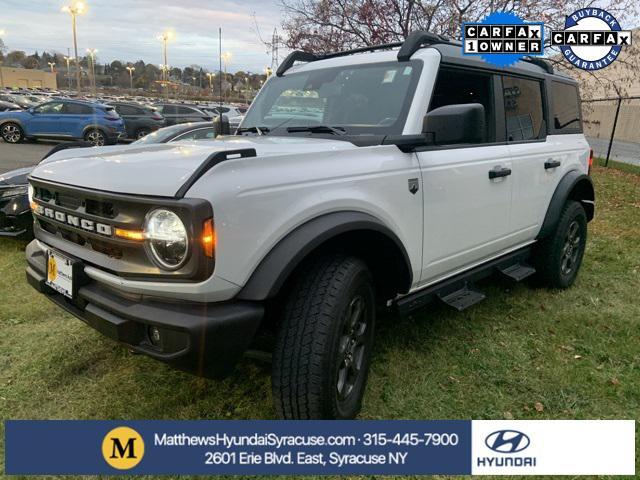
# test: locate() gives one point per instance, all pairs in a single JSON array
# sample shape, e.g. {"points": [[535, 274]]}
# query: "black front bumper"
{"points": [[202, 338]]}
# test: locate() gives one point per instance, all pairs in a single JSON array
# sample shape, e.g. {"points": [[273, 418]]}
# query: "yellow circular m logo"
{"points": [[123, 448], [53, 269]]}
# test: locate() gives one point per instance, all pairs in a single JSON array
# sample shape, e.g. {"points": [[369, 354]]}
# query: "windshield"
{"points": [[370, 99]]}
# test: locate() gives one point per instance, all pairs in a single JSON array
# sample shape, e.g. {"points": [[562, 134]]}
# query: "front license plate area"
{"points": [[60, 273]]}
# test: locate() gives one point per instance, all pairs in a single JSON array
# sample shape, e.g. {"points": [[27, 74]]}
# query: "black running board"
{"points": [[518, 271], [460, 283]]}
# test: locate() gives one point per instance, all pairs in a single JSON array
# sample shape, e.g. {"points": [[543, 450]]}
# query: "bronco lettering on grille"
{"points": [[74, 221]]}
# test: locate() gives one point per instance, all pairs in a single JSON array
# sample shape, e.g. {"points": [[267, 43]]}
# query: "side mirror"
{"points": [[452, 124], [31, 110], [221, 125]]}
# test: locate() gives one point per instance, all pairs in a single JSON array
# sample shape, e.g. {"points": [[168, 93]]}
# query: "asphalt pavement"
{"points": [[22, 154]]}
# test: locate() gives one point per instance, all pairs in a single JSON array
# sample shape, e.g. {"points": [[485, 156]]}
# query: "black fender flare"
{"points": [[574, 185], [274, 269]]}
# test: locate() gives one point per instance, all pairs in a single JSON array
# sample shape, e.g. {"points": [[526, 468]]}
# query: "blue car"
{"points": [[63, 120]]}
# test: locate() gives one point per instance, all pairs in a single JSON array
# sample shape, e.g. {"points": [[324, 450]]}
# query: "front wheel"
{"points": [[96, 138], [323, 350], [558, 257], [12, 133], [143, 132]]}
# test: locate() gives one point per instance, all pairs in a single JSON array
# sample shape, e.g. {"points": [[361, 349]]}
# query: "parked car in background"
{"points": [[183, 131], [17, 99], [4, 106], [234, 114], [176, 113], [15, 214], [63, 120], [138, 120]]}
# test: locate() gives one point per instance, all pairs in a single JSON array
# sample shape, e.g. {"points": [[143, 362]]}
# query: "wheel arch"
{"points": [[352, 232], [575, 185], [94, 127], [13, 120]]}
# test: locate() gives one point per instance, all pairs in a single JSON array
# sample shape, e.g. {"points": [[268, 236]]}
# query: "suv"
{"points": [[138, 121], [63, 120], [386, 177], [176, 113]]}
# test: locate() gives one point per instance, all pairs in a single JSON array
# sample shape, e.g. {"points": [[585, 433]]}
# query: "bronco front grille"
{"points": [[82, 223]]}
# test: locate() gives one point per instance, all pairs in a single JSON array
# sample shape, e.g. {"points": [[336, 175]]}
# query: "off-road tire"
{"points": [[12, 133], [315, 340], [558, 257]]}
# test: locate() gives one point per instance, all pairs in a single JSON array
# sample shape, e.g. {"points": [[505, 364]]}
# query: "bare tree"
{"points": [[328, 25]]}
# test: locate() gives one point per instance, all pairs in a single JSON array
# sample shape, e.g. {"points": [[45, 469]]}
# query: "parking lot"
{"points": [[22, 155]]}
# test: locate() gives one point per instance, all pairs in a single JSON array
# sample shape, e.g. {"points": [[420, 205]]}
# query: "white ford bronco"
{"points": [[388, 176]]}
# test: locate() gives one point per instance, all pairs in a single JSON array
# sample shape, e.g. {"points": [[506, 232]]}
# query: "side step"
{"points": [[517, 271], [463, 298]]}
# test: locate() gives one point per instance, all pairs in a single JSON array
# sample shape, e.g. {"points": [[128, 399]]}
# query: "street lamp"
{"points": [[74, 10], [131, 70], [226, 58], [52, 65], [92, 55], [210, 76], [2, 34], [68, 59], [165, 38]]}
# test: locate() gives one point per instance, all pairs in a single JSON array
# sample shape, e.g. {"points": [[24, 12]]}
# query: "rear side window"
{"points": [[128, 110], [186, 111], [168, 110], [77, 109], [523, 109], [565, 108]]}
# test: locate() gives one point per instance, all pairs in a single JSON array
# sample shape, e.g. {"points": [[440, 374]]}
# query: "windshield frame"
{"points": [[280, 129]]}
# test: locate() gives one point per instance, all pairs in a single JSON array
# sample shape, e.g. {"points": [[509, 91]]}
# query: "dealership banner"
{"points": [[461, 447]]}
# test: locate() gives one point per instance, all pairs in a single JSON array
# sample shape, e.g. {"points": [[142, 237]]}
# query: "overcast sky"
{"points": [[127, 29]]}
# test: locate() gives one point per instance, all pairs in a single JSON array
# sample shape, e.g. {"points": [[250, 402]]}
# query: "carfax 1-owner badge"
{"points": [[592, 38]]}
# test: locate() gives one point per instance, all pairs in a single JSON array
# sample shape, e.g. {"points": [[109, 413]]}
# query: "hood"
{"points": [[161, 169], [15, 177]]}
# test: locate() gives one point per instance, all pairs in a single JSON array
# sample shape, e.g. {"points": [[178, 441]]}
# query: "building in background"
{"points": [[27, 78]]}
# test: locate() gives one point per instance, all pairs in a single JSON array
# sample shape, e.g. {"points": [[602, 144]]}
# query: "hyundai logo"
{"points": [[507, 441]]}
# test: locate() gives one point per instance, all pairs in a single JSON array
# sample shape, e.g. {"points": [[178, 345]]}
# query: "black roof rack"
{"points": [[417, 39], [411, 45]]}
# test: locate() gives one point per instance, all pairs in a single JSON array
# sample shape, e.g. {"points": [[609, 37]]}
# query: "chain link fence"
{"points": [[612, 127]]}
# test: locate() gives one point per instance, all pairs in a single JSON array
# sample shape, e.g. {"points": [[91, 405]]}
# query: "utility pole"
{"points": [[67, 59], [92, 55]]}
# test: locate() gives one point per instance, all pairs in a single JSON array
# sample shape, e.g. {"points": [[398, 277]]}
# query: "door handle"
{"points": [[551, 164], [499, 172]]}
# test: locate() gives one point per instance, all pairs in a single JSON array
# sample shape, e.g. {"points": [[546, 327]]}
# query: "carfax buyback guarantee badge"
{"points": [[502, 38], [592, 38]]}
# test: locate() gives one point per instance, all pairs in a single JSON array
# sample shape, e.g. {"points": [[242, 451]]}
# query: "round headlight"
{"points": [[168, 239]]}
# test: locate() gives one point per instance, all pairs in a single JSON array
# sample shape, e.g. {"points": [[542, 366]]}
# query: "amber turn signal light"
{"points": [[136, 235], [208, 238]]}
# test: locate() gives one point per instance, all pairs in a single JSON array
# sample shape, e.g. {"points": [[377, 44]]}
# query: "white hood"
{"points": [[161, 169]]}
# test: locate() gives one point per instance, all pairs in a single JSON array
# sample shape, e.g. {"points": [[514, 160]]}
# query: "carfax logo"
{"points": [[502, 38], [592, 38], [123, 448], [507, 442]]}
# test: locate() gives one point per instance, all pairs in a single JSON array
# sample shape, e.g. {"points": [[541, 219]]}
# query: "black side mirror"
{"points": [[221, 125], [452, 124]]}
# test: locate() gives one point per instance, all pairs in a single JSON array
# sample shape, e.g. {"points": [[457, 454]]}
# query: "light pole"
{"points": [[92, 55], [131, 70], [74, 10], [2, 34], [226, 58], [165, 38], [68, 59], [52, 65], [210, 76]]}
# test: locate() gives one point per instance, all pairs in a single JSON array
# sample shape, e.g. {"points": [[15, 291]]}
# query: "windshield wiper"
{"points": [[258, 130], [318, 129]]}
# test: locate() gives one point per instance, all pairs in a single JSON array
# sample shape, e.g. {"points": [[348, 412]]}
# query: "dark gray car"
{"points": [[139, 121], [177, 113]]}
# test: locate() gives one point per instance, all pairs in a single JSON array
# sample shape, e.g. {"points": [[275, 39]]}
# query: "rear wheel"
{"points": [[559, 256], [95, 137], [143, 132], [323, 351], [12, 133]]}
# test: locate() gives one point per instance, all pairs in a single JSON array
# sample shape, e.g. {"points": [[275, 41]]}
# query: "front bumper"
{"points": [[206, 339]]}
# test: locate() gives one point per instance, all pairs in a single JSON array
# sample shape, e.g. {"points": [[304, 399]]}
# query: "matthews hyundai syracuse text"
{"points": [[389, 176]]}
